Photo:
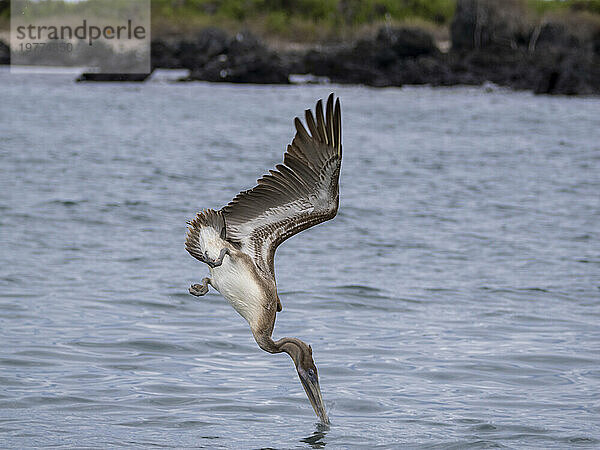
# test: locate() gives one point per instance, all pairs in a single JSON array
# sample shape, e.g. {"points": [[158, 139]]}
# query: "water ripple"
{"points": [[452, 303]]}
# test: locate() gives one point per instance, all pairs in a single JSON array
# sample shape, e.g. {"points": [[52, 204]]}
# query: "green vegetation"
{"points": [[581, 17], [59, 7], [545, 6], [288, 20], [307, 21], [297, 20], [332, 12]]}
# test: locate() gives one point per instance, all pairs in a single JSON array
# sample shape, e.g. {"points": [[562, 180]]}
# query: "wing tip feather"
{"points": [[316, 146]]}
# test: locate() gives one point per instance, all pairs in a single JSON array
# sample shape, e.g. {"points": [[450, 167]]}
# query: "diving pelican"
{"points": [[238, 242]]}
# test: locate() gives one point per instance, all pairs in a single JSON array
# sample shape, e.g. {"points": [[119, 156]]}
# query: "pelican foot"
{"points": [[200, 289], [216, 262]]}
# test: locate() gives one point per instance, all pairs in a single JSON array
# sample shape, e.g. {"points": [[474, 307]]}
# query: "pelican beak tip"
{"points": [[310, 383]]}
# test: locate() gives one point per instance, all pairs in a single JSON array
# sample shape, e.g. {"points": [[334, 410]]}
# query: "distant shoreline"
{"points": [[552, 56], [556, 55]]}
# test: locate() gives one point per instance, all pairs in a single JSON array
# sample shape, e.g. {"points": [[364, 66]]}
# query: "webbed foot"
{"points": [[200, 289]]}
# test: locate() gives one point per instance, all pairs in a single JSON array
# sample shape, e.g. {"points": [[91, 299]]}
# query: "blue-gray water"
{"points": [[453, 302]]}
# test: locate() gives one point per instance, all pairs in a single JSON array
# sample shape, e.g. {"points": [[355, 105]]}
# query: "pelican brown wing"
{"points": [[300, 193]]}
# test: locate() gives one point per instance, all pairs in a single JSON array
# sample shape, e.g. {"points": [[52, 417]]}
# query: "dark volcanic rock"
{"points": [[556, 35], [393, 56], [209, 43], [89, 76], [340, 65], [4, 53], [425, 69], [243, 59], [213, 55], [574, 74], [564, 62], [163, 55], [492, 42], [479, 24], [596, 43], [405, 42], [462, 29], [189, 53]]}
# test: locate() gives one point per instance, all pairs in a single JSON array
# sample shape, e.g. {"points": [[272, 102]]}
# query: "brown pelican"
{"points": [[238, 242]]}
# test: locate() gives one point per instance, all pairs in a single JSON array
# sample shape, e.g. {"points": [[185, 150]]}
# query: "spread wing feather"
{"points": [[300, 193]]}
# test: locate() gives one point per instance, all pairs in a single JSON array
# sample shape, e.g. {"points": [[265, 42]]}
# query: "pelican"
{"points": [[238, 242]]}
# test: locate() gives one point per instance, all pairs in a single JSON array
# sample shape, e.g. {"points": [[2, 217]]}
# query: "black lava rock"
{"points": [[4, 53], [492, 41], [243, 59], [392, 57], [89, 76]]}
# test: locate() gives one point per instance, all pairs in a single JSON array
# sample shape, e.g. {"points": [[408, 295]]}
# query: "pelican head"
{"points": [[301, 354]]}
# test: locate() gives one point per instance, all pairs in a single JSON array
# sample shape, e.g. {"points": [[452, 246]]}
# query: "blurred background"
{"points": [[453, 302], [548, 46]]}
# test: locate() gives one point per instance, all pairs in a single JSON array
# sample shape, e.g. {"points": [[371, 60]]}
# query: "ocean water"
{"points": [[454, 302]]}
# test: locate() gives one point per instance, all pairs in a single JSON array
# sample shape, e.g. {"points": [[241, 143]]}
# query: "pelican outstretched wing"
{"points": [[300, 193]]}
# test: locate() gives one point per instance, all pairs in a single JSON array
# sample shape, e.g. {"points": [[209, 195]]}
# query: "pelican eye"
{"points": [[312, 375]]}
